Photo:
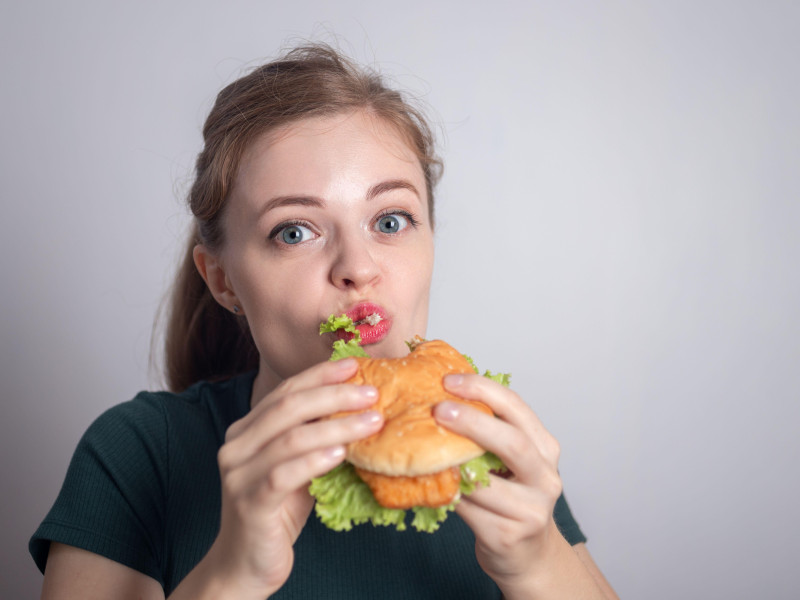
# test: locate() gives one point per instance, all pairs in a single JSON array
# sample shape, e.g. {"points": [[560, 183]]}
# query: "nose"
{"points": [[354, 265]]}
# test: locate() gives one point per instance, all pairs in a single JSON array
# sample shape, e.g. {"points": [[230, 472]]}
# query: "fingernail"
{"points": [[368, 391], [453, 380], [335, 452], [447, 411], [370, 417]]}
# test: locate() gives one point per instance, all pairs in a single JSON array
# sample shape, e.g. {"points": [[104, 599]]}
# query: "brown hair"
{"points": [[204, 340]]}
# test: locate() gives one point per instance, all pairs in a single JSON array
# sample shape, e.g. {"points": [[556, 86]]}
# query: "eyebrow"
{"points": [[313, 201], [279, 201], [388, 186]]}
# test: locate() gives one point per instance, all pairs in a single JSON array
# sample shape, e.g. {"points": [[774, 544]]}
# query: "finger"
{"points": [[504, 402], [506, 405], [317, 436], [519, 453], [301, 454], [485, 524], [514, 500], [322, 374], [497, 498], [292, 410], [498, 535], [325, 373], [269, 488]]}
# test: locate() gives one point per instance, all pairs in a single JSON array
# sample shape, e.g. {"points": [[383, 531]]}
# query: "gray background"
{"points": [[618, 227]]}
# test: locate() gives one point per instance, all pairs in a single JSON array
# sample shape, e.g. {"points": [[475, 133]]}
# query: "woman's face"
{"points": [[329, 216]]}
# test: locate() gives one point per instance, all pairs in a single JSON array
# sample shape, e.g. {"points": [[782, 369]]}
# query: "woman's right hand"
{"points": [[266, 463]]}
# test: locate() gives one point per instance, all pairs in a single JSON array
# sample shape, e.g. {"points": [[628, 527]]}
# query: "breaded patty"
{"points": [[436, 489]]}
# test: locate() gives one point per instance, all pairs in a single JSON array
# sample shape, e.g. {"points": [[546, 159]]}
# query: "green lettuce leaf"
{"points": [[475, 473], [344, 500], [501, 378], [335, 323], [342, 349], [471, 362]]}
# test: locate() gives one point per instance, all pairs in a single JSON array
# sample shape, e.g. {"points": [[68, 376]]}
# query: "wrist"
{"points": [[214, 577], [556, 573]]}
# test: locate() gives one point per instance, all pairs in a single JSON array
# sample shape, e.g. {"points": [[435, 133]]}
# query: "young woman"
{"points": [[313, 196]]}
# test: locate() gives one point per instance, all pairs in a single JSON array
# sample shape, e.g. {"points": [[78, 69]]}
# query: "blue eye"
{"points": [[392, 223], [294, 234]]}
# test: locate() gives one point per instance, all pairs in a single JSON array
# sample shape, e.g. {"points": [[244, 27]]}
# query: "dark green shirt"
{"points": [[143, 489]]}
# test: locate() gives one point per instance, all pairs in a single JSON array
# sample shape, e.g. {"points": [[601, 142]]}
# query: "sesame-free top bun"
{"points": [[411, 443]]}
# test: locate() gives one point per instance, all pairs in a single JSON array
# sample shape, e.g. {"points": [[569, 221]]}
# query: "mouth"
{"points": [[372, 322]]}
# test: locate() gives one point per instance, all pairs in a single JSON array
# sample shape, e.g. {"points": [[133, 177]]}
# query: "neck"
{"points": [[266, 380]]}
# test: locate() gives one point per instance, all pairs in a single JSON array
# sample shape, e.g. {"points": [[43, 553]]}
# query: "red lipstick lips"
{"points": [[371, 321]]}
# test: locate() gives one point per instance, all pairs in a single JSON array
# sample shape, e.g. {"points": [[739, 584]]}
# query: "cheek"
{"points": [[280, 304], [423, 266], [276, 285], [412, 281], [286, 334]]}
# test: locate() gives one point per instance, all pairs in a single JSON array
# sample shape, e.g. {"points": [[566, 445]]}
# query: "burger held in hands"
{"points": [[412, 463]]}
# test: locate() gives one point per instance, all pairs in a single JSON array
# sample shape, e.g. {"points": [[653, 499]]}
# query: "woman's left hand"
{"points": [[512, 518]]}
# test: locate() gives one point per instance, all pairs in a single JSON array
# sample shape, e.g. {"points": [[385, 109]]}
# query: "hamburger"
{"points": [[412, 463]]}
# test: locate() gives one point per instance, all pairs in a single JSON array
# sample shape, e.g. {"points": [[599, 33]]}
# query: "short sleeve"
{"points": [[566, 523], [112, 502]]}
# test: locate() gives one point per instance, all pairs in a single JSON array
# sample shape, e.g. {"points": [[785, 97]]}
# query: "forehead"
{"points": [[310, 154]]}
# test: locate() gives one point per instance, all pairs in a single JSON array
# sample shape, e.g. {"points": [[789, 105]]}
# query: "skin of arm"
{"points": [[588, 562], [75, 574], [573, 575]]}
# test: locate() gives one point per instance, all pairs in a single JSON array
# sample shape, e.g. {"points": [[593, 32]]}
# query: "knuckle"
{"points": [[286, 402], [231, 485], [277, 397], [538, 520], [274, 481], [558, 487], [283, 387], [508, 538], [517, 445], [233, 431], [553, 448], [341, 394], [314, 462], [225, 459], [552, 485], [293, 440]]}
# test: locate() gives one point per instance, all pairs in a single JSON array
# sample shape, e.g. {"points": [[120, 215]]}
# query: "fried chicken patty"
{"points": [[404, 492]]}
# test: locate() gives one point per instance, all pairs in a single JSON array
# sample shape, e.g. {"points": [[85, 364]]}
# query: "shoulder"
{"points": [[134, 463], [144, 439]]}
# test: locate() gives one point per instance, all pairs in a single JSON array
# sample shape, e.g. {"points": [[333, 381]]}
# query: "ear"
{"points": [[211, 269]]}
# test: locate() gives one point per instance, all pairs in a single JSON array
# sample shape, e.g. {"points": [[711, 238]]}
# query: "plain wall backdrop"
{"points": [[618, 226]]}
